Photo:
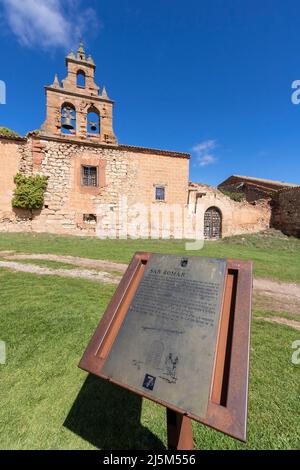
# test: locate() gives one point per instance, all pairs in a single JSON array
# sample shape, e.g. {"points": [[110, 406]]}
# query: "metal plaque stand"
{"points": [[228, 397], [179, 430]]}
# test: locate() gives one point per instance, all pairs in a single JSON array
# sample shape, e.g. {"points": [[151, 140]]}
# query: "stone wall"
{"points": [[251, 192], [127, 178], [286, 212], [237, 217], [254, 188]]}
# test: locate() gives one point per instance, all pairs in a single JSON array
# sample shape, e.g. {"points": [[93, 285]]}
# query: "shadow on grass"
{"points": [[109, 417]]}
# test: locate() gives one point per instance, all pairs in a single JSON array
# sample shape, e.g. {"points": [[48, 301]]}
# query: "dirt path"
{"points": [[279, 289], [84, 262], [79, 273], [281, 321], [274, 296]]}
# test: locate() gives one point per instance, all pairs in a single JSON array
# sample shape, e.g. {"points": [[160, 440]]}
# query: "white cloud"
{"points": [[207, 160], [49, 23], [203, 152]]}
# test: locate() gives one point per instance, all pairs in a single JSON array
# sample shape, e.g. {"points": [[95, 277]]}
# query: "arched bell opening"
{"points": [[68, 119], [212, 224], [93, 121], [81, 79]]}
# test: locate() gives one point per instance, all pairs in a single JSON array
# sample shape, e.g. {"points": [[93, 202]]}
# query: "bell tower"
{"points": [[75, 107]]}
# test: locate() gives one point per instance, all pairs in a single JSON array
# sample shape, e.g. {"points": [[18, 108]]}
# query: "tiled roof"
{"points": [[262, 180], [12, 137]]}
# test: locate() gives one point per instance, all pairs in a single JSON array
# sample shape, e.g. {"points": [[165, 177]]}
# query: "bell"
{"points": [[67, 124], [93, 126]]}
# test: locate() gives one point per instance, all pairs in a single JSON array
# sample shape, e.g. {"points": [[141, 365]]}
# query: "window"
{"points": [[89, 176], [81, 79], [90, 219], [160, 193]]}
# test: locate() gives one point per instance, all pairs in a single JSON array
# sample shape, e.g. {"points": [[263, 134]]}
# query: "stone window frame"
{"points": [[90, 161]]}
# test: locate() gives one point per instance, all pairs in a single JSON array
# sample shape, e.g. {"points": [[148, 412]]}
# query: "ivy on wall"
{"points": [[29, 192]]}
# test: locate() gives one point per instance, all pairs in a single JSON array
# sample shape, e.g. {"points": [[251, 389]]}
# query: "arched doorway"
{"points": [[212, 224]]}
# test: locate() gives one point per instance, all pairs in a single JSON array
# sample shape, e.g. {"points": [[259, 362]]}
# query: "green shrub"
{"points": [[34, 132], [237, 197], [29, 192], [8, 132]]}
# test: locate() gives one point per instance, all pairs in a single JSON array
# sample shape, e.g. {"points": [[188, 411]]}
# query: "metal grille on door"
{"points": [[212, 224]]}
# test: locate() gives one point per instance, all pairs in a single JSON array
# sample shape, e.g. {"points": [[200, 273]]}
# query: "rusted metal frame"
{"points": [[227, 408], [90, 362], [231, 417]]}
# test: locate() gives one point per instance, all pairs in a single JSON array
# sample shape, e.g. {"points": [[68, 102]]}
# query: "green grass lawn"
{"points": [[274, 256], [46, 321], [48, 403]]}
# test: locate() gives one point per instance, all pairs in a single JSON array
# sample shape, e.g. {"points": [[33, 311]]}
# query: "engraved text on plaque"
{"points": [[166, 344]]}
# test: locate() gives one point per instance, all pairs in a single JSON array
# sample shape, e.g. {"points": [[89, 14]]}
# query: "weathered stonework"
{"points": [[286, 212], [83, 98], [127, 175], [236, 217], [124, 174], [252, 188]]}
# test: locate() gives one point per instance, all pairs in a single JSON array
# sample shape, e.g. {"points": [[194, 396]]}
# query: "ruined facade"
{"points": [[219, 216], [97, 186], [286, 211], [252, 188]]}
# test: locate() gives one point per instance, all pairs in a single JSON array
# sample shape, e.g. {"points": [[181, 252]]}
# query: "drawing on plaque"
{"points": [[149, 382], [171, 363]]}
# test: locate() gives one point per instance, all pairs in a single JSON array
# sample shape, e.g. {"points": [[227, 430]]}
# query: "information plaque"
{"points": [[177, 331], [166, 344]]}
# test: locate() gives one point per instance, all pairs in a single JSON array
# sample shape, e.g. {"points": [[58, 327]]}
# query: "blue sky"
{"points": [[210, 77]]}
